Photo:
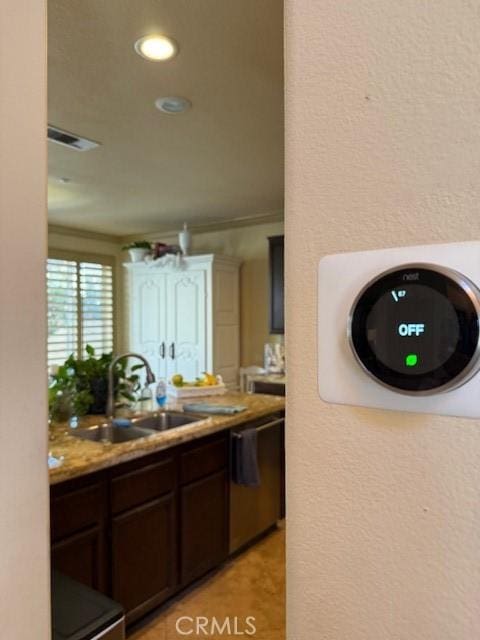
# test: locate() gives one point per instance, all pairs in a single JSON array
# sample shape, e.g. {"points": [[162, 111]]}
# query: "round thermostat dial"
{"points": [[415, 329]]}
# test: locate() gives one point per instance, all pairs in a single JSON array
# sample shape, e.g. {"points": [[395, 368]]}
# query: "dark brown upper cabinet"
{"points": [[277, 308]]}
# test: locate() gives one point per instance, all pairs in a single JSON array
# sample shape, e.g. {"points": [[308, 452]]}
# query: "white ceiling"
{"points": [[221, 160]]}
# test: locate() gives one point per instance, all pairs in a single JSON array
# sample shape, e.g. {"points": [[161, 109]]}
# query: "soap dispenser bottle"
{"points": [[161, 393]]}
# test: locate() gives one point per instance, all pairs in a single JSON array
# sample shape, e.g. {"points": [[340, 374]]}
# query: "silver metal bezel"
{"points": [[470, 289]]}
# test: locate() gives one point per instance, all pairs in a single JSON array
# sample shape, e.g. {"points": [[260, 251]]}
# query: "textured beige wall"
{"points": [[383, 149], [251, 245], [24, 535]]}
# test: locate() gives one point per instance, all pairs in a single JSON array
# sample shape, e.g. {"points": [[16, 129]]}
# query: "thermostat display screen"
{"points": [[413, 329], [416, 329]]}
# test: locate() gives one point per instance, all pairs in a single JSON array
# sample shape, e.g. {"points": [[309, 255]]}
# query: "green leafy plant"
{"points": [[138, 244], [81, 385]]}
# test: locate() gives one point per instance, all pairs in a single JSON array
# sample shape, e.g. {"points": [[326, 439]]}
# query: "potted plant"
{"points": [[138, 250], [80, 386]]}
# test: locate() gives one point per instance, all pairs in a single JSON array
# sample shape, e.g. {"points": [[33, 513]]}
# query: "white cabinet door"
{"points": [[226, 331], [186, 323], [148, 334]]}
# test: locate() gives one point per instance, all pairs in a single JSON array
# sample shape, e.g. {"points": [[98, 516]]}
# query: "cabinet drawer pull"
{"points": [[162, 350], [172, 351]]}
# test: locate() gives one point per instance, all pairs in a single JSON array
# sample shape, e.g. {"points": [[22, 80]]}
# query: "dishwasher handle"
{"points": [[263, 427]]}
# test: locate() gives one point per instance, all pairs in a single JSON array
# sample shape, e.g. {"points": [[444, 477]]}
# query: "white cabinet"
{"points": [[186, 319]]}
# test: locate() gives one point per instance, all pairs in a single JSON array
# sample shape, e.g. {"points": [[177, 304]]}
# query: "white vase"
{"points": [[185, 239], [138, 254]]}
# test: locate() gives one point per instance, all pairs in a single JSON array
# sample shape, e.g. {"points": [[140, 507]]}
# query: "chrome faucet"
{"points": [[111, 380]]}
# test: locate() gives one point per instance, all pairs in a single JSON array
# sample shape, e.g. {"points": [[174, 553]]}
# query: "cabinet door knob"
{"points": [[172, 351], [162, 350]]}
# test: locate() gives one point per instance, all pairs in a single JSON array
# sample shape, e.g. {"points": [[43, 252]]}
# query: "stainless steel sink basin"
{"points": [[139, 427], [111, 433], [166, 420]]}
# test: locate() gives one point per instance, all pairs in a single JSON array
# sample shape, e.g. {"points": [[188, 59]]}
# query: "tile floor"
{"points": [[253, 584]]}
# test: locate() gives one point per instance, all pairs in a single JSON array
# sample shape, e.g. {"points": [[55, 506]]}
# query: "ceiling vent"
{"points": [[70, 140]]}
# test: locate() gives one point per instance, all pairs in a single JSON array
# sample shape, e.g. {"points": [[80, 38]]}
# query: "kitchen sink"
{"points": [[111, 433], [138, 427], [166, 420]]}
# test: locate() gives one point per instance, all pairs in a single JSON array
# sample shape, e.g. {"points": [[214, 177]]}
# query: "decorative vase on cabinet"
{"points": [[186, 320]]}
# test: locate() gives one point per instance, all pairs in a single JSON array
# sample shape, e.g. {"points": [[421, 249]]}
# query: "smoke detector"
{"points": [[173, 104]]}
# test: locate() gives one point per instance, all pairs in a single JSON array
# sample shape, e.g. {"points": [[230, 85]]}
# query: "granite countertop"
{"points": [[80, 457]]}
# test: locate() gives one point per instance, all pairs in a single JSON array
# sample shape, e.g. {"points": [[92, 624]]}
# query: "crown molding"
{"points": [[233, 223], [83, 233]]}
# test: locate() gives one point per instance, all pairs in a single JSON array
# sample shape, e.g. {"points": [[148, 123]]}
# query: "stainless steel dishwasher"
{"points": [[255, 510], [80, 613]]}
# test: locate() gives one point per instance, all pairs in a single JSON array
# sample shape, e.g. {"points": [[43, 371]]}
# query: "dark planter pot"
{"points": [[99, 388]]}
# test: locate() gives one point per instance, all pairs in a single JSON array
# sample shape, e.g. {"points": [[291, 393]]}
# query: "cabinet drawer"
{"points": [[203, 460], [269, 388], [76, 510], [141, 485]]}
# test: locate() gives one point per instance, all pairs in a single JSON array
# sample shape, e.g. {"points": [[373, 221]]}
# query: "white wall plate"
{"points": [[341, 377]]}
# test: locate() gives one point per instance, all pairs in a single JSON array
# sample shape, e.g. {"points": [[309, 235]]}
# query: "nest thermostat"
{"points": [[400, 329]]}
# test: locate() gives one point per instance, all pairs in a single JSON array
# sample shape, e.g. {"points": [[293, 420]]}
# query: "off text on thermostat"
{"points": [[411, 329]]}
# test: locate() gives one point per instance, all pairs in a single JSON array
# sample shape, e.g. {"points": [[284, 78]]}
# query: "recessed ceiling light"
{"points": [[173, 104], [154, 47]]}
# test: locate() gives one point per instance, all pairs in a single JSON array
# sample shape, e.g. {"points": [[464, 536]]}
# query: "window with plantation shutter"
{"points": [[80, 307]]}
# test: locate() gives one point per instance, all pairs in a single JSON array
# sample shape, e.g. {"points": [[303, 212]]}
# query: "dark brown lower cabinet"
{"points": [[142, 530], [80, 557], [144, 556], [78, 515], [204, 525]]}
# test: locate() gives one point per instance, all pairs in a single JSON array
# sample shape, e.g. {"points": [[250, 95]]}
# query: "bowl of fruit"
{"points": [[208, 384]]}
